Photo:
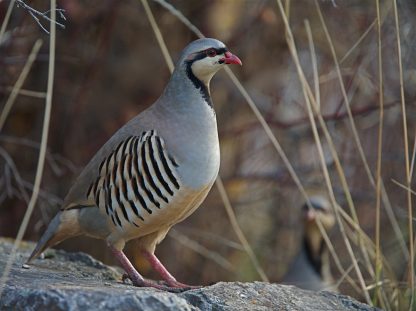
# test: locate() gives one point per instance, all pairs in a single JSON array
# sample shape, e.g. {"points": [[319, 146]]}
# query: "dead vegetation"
{"points": [[325, 103]]}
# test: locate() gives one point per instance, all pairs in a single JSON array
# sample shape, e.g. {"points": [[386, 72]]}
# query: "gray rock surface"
{"points": [[76, 281]]}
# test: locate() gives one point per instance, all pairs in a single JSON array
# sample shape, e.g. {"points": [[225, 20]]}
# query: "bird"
{"points": [[310, 268], [153, 172]]}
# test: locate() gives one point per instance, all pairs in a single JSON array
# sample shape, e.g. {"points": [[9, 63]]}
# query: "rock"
{"points": [[76, 281]]}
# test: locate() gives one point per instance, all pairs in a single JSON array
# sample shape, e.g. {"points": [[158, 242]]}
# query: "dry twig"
{"points": [[37, 15]]}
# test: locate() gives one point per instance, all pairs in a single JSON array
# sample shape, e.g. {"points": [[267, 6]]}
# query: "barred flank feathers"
{"points": [[135, 178]]}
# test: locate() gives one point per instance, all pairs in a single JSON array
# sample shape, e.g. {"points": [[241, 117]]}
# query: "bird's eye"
{"points": [[211, 52]]}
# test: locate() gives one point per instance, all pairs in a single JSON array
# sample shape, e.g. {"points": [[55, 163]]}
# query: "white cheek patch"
{"points": [[205, 68]]}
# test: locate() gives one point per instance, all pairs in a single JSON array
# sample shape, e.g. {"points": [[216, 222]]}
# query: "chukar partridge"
{"points": [[310, 268], [154, 171]]}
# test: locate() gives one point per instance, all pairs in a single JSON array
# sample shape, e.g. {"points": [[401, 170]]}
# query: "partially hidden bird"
{"points": [[153, 172], [310, 268]]}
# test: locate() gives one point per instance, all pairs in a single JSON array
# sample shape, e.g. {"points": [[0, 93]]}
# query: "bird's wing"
{"points": [[76, 196], [134, 178]]}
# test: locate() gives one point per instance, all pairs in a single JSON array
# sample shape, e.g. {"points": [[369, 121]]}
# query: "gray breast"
{"points": [[302, 274]]}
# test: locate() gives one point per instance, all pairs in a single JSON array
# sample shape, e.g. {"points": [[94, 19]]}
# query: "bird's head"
{"points": [[204, 57], [321, 209]]}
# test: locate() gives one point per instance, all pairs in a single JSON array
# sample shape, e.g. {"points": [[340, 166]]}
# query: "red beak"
{"points": [[310, 215], [230, 58]]}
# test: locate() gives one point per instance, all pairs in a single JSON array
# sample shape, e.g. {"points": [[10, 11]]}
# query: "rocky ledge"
{"points": [[76, 281]]}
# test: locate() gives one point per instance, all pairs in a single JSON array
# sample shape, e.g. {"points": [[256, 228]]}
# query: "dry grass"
{"points": [[375, 264], [359, 254], [44, 138]]}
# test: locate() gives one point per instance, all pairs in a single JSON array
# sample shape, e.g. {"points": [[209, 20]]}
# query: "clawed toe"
{"points": [[161, 285], [175, 290], [157, 285], [183, 286]]}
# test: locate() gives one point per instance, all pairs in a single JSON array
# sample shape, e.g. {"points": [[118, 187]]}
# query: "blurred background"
{"points": [[109, 68]]}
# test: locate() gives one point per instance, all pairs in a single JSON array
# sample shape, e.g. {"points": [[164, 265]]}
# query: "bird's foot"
{"points": [[161, 285], [185, 287], [169, 280], [149, 283]]}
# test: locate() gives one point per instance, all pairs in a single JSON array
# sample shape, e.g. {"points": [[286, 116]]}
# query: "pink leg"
{"points": [[163, 272], [132, 273]]}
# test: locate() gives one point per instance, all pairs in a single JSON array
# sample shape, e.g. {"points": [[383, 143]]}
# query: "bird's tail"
{"points": [[64, 225]]}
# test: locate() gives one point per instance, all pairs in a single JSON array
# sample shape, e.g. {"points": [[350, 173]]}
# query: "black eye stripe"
{"points": [[221, 50], [202, 54], [316, 207]]}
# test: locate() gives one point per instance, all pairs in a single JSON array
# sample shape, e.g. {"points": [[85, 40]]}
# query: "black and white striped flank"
{"points": [[136, 177]]}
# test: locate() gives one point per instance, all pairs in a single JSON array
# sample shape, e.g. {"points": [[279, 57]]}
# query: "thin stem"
{"points": [[411, 275], [29, 93], [6, 19], [404, 187], [412, 166], [158, 35], [19, 83], [314, 65], [178, 14], [378, 262], [200, 249], [358, 42], [42, 152], [236, 227]]}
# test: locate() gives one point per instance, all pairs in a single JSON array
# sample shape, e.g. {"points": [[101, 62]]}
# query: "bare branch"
{"points": [[37, 15]]}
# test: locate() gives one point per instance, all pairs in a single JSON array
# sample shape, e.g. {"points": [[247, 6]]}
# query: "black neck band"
{"points": [[198, 83], [315, 261]]}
